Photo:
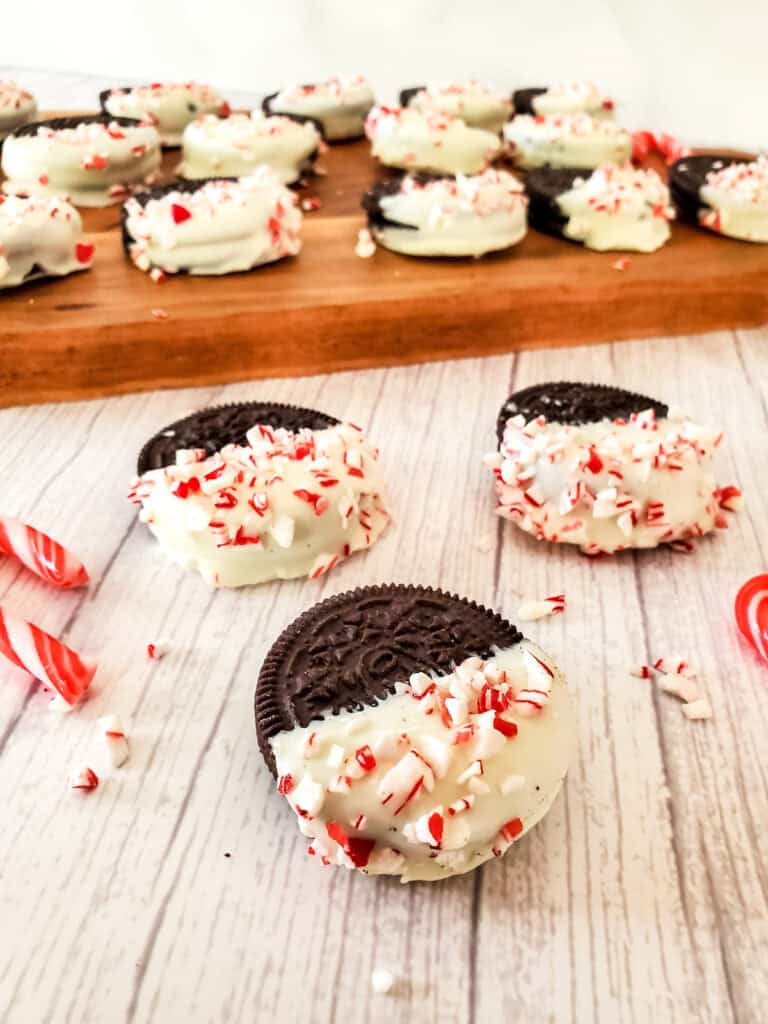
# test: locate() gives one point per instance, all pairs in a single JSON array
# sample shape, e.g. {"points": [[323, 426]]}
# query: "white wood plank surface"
{"points": [[643, 896]]}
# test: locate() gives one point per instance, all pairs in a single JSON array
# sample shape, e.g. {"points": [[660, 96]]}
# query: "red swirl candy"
{"points": [[752, 613], [44, 657], [41, 554]]}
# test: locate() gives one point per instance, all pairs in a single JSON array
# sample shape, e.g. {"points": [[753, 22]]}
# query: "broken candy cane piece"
{"points": [[44, 657], [529, 611], [366, 246], [41, 554], [674, 665], [751, 608], [83, 780], [158, 650], [114, 739], [641, 671], [697, 710]]}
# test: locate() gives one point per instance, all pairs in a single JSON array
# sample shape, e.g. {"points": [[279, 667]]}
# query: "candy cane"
{"points": [[44, 657], [41, 554]]}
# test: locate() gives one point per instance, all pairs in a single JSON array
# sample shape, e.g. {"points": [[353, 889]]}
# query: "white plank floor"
{"points": [[643, 896]]}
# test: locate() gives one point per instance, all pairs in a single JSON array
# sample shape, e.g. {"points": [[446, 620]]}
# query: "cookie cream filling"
{"points": [[221, 228], [618, 208], [403, 137], [170, 106], [40, 237], [462, 216], [476, 104], [92, 163], [236, 145], [340, 104], [566, 140], [574, 98], [737, 195], [437, 778], [609, 485], [285, 505], [17, 107]]}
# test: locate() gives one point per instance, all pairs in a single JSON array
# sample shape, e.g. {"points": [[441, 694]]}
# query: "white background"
{"points": [[696, 68]]}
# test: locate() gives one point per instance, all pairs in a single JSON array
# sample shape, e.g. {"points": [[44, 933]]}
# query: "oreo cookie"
{"points": [[371, 200], [575, 404], [347, 653], [544, 185], [144, 195], [522, 99], [220, 425], [61, 123], [406, 95], [266, 107], [686, 177]]}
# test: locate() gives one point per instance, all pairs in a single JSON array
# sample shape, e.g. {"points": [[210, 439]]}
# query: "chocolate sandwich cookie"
{"points": [[40, 236], [724, 194], [567, 98], [91, 160], [412, 732], [606, 469], [170, 106], [234, 146], [566, 140], [215, 226], [257, 491], [17, 107], [339, 104], [429, 215], [476, 104], [611, 208]]}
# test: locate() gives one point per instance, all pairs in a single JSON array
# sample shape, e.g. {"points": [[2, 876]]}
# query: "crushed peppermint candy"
{"points": [[530, 611], [114, 739], [83, 780], [366, 246], [158, 649], [698, 710]]}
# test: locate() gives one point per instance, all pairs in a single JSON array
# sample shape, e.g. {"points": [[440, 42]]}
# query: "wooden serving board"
{"points": [[94, 333]]}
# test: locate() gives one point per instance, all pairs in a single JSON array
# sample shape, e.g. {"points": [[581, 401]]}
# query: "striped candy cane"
{"points": [[41, 554], [44, 657]]}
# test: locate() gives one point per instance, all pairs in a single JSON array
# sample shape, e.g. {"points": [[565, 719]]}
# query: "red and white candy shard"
{"points": [[41, 554], [429, 141], [611, 485], [284, 505], [222, 228], [40, 236], [83, 780], [44, 657], [429, 782], [113, 737]]}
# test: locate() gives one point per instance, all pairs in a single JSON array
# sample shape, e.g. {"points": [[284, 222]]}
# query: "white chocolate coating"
{"points": [[573, 98], [566, 140], [618, 208], [427, 779], [170, 106], [464, 216], [340, 104], [17, 107], [609, 485], [236, 145], [287, 505], [403, 137], [222, 228], [40, 237], [477, 105], [738, 197], [93, 164]]}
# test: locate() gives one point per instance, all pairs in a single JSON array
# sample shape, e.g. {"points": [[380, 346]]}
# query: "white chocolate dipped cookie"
{"points": [[723, 194], [606, 469], [286, 501], [40, 236], [433, 142], [422, 215], [413, 733], [92, 161], [566, 140], [476, 104], [234, 146], [17, 107], [565, 98], [340, 104], [213, 227], [170, 106]]}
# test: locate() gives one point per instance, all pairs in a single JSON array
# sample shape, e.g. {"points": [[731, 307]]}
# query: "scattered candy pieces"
{"points": [[115, 740], [698, 710], [157, 275], [84, 780], [310, 203], [382, 980], [158, 650], [645, 143], [41, 554], [159, 314], [751, 608], [366, 246], [532, 610], [622, 263], [674, 665], [641, 671], [44, 657]]}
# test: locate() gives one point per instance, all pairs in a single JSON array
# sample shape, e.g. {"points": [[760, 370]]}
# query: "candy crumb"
{"points": [[622, 263], [641, 671], [366, 246], [114, 739], [310, 203], [529, 611], [158, 650], [697, 710], [159, 314], [84, 780], [382, 980]]}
